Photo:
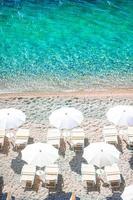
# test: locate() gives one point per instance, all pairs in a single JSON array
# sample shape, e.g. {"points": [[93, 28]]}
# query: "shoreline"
{"points": [[91, 94]]}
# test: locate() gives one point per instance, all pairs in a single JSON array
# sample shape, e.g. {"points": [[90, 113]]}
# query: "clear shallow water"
{"points": [[65, 45]]}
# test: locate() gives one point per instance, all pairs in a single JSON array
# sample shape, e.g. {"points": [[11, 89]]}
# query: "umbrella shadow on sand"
{"points": [[131, 162], [61, 196], [115, 196], [86, 142], [30, 140], [1, 184], [17, 164], [76, 162]]}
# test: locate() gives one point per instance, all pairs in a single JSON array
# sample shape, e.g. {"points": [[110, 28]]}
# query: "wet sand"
{"points": [[88, 93]]}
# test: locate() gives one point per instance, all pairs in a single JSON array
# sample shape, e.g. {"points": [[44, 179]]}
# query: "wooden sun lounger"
{"points": [[22, 137], [52, 170], [28, 175], [113, 176], [130, 136], [77, 139], [2, 137], [53, 137], [110, 135], [51, 176], [22, 132], [109, 127], [88, 174]]}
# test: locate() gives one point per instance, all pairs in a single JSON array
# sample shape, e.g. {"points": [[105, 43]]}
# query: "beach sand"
{"points": [[38, 107]]}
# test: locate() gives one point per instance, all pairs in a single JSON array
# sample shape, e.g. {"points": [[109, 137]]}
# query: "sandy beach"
{"points": [[38, 107]]}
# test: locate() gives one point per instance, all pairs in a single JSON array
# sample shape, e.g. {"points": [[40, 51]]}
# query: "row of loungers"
{"points": [[88, 173], [112, 174], [110, 134], [20, 138], [53, 138], [77, 137], [49, 176]]}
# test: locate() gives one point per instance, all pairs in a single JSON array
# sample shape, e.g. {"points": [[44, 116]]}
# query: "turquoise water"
{"points": [[65, 45]]}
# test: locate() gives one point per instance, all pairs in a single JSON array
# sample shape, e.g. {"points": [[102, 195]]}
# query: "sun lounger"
{"points": [[109, 127], [22, 137], [28, 175], [51, 176], [88, 174], [113, 176], [110, 135], [77, 139], [130, 136], [53, 137], [2, 137]]}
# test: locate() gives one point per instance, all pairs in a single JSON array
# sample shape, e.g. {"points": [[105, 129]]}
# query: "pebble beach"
{"points": [[68, 53], [37, 109]]}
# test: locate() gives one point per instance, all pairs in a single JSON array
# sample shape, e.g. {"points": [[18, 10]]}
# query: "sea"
{"points": [[65, 45]]}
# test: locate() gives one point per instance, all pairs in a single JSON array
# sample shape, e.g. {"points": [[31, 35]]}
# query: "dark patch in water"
{"points": [[11, 3], [3, 18]]}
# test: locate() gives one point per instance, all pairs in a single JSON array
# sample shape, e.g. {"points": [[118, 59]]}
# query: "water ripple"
{"points": [[61, 45]]}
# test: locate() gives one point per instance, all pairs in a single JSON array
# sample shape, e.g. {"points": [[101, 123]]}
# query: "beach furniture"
{"points": [[9, 196], [41, 175], [66, 118], [42, 154], [121, 115], [101, 154], [28, 175], [88, 174], [11, 118], [22, 136], [130, 136], [53, 137], [2, 137], [6, 196], [77, 139], [51, 176], [110, 135], [113, 175], [73, 197]]}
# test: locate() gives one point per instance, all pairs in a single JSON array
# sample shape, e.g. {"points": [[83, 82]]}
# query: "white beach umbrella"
{"points": [[11, 118], [128, 193], [40, 154], [101, 154], [66, 118], [121, 115]]}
